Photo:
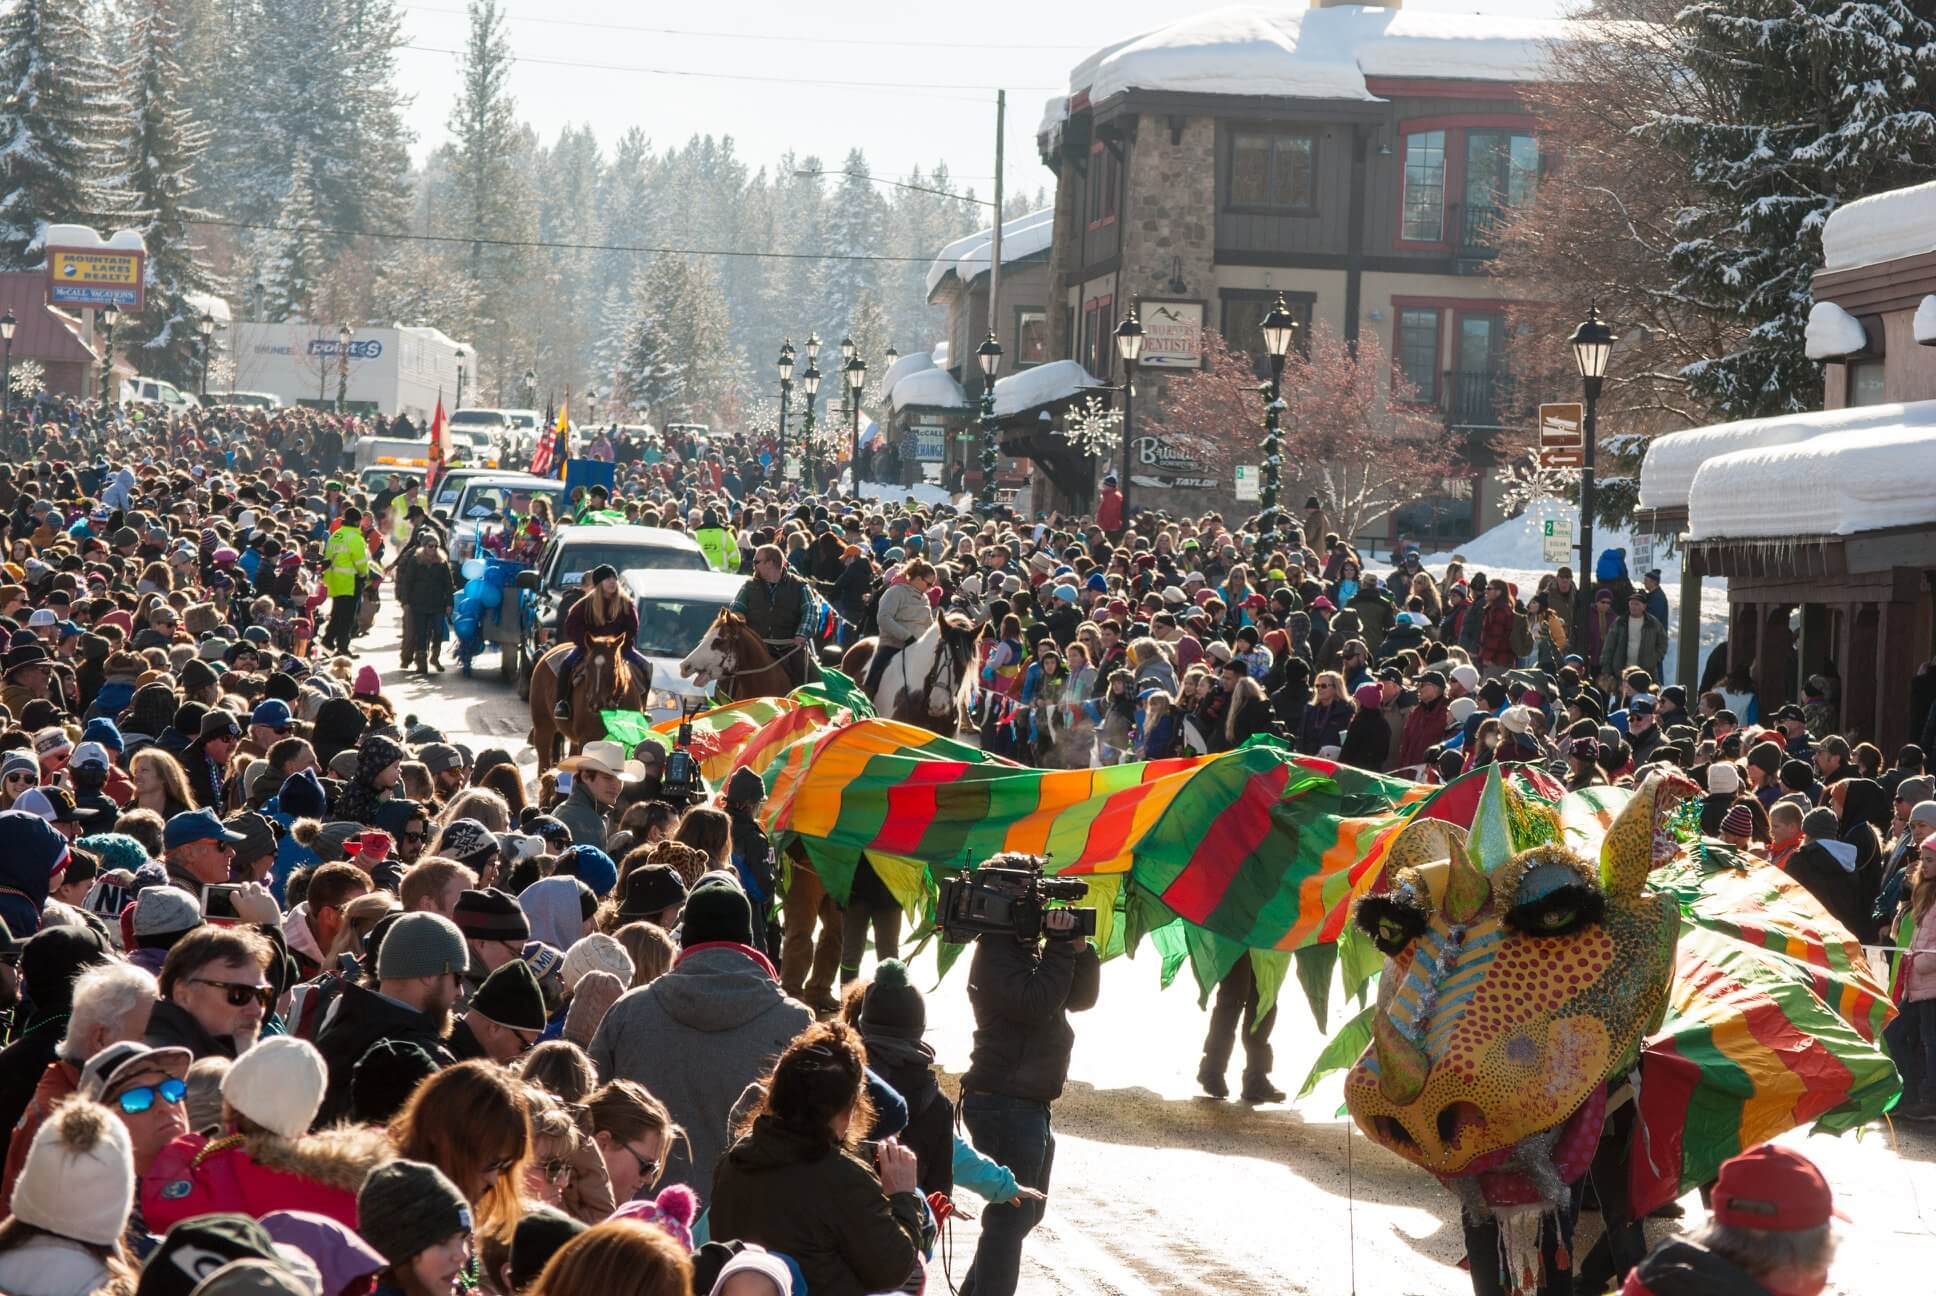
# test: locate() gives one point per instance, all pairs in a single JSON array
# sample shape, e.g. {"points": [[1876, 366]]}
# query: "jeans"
{"points": [[1016, 1133], [1911, 1039]]}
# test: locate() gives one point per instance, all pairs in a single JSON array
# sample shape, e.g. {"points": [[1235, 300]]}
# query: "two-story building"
{"points": [[1823, 522], [1358, 161]]}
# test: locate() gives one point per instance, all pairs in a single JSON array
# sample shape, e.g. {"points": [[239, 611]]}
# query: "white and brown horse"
{"points": [[927, 681], [739, 661]]}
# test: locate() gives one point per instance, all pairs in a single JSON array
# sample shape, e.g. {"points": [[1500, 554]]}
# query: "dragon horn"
{"points": [[1639, 841], [1420, 842], [1402, 1065], [1491, 840], [1466, 888]]}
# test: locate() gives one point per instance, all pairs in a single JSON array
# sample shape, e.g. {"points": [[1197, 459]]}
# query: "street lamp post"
{"points": [[856, 372], [530, 386], [109, 318], [591, 407], [989, 356], [7, 326], [207, 329], [786, 396], [343, 336], [1129, 345], [461, 353], [1279, 328], [809, 383], [1592, 344]]}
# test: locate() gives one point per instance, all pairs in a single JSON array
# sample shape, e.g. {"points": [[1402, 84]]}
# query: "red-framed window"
{"points": [[1417, 344], [1098, 351], [1459, 175], [1104, 174]]}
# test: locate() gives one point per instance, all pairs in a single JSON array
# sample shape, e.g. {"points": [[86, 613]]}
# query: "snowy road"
{"points": [[1158, 1190]]}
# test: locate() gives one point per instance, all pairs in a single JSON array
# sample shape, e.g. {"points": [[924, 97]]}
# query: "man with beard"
{"points": [[215, 991], [420, 966], [446, 765]]}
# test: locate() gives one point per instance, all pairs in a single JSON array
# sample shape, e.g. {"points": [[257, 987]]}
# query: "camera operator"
{"points": [[1022, 989]]}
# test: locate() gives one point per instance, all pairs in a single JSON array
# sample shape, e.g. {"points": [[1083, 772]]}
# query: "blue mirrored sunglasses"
{"points": [[136, 1101]]}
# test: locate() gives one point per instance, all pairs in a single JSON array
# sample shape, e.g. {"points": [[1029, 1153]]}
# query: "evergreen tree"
{"points": [[679, 358], [298, 254], [161, 157], [1813, 103], [488, 190], [55, 129], [651, 375], [854, 220]]}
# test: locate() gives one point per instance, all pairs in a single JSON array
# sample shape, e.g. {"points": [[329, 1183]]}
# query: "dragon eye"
{"points": [[1559, 912], [1391, 923]]}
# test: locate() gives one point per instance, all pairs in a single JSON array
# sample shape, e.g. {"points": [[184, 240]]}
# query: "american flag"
{"points": [[434, 460], [549, 457]]}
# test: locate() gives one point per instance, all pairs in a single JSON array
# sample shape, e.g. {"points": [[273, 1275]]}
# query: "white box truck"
{"points": [[391, 371]]}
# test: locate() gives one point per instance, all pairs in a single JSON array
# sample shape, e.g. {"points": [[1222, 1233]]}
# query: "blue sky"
{"points": [[919, 80]]}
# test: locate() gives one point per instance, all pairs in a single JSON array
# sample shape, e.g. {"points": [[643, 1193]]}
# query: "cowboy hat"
{"points": [[604, 758]]}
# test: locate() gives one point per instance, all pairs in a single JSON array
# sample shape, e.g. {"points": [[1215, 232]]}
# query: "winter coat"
{"points": [[51, 1266], [1919, 979], [1496, 619], [1423, 729], [695, 1038], [347, 560], [1256, 717], [257, 1174], [1678, 1267], [1367, 740], [786, 1190], [361, 1018], [1839, 890], [904, 614], [429, 588], [1022, 998], [1653, 646], [1323, 726], [171, 1025], [581, 813], [1375, 612]]}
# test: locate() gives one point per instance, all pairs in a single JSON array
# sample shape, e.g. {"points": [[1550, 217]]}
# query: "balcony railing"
{"points": [[1480, 398], [1479, 229]]}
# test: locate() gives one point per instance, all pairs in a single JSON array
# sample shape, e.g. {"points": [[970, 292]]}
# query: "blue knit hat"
{"points": [[302, 796], [591, 866], [104, 731]]}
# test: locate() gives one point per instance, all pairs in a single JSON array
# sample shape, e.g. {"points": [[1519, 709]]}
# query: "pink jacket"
{"points": [[258, 1174], [1919, 978]]}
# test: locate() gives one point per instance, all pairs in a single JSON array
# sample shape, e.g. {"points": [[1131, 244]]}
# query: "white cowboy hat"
{"points": [[604, 758]]}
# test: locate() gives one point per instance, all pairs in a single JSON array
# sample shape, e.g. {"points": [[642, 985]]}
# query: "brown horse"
{"points": [[739, 662], [602, 682]]}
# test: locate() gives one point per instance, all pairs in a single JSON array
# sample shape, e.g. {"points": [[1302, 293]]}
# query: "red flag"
{"points": [[434, 466]]}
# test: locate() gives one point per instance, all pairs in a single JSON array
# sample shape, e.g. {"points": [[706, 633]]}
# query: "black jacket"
{"points": [[171, 1025], [1840, 891], [363, 1017], [908, 1066], [201, 781], [1367, 740], [1022, 999], [1678, 1267]]}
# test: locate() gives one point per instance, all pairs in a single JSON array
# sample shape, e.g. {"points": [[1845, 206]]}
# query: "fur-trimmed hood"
{"points": [[255, 1174], [341, 1156]]}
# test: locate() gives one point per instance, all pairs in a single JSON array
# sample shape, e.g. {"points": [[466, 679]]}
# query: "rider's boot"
{"points": [[562, 711]]}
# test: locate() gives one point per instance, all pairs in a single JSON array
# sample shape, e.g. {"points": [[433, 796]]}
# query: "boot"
{"points": [[1261, 1090], [562, 711], [1212, 1083]]}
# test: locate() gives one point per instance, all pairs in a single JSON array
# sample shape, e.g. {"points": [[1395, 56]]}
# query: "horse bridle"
{"points": [[945, 652]]}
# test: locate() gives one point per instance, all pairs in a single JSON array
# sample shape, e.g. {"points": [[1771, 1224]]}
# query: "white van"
{"points": [[157, 391]]}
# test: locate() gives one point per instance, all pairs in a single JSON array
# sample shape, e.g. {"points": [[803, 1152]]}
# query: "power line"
{"points": [[790, 37], [561, 246]]}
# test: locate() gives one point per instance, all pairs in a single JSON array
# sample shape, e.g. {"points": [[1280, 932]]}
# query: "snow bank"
{"points": [[1848, 481], [1667, 473], [939, 353], [1321, 53], [912, 363], [921, 493], [1881, 227], [1054, 381], [933, 388], [1832, 333], [972, 255]]}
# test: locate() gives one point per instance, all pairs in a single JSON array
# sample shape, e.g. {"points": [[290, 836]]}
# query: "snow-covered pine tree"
{"points": [[1815, 103], [298, 252], [488, 198], [854, 221], [650, 373], [161, 156], [56, 134]]}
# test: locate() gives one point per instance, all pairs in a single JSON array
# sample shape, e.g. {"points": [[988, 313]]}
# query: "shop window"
{"points": [[1417, 349], [1104, 172], [1424, 198], [1031, 336], [1275, 172]]}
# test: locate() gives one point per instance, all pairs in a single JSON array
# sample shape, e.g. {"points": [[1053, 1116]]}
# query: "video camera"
{"points": [[994, 900], [681, 779]]}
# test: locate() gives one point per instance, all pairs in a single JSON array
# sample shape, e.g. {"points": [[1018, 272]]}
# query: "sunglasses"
{"points": [[559, 1171], [136, 1101], [240, 993], [20, 778], [416, 836], [648, 1168]]}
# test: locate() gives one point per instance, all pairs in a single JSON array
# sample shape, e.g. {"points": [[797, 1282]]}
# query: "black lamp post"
{"points": [[856, 372], [461, 353], [1279, 328], [1129, 345], [109, 318], [809, 383], [7, 326], [989, 356], [343, 336], [207, 329], [1592, 344], [530, 386], [786, 396]]}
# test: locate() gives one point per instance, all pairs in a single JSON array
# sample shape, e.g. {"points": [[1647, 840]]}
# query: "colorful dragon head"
{"points": [[1519, 981]]}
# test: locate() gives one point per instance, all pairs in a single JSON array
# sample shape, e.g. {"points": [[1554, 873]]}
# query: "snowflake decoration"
{"points": [[1530, 483], [1092, 427], [29, 379], [764, 421], [221, 373]]}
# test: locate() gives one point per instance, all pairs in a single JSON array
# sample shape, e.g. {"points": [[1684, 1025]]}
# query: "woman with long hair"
{"points": [[160, 783], [1326, 715], [478, 803], [1249, 714], [632, 1130], [605, 611], [1912, 1035], [509, 784], [706, 829], [621, 1257], [18, 772], [795, 1182], [471, 1121], [359, 916]]}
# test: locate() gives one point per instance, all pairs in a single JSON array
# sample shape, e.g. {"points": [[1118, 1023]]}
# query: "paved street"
{"points": [[1158, 1190]]}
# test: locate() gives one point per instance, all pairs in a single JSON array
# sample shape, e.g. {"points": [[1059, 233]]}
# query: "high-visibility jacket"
{"points": [[347, 561], [722, 550]]}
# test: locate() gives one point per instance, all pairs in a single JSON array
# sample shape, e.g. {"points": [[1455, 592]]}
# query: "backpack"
{"points": [[1522, 635], [310, 1002]]}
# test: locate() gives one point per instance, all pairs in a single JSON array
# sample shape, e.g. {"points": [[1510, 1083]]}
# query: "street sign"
{"points": [[793, 467], [96, 277], [1249, 486], [1559, 425], [1556, 540], [1640, 551], [1563, 457]]}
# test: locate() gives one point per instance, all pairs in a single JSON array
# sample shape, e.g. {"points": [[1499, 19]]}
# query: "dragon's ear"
{"points": [[1422, 841], [1639, 841], [1491, 841], [1466, 889]]}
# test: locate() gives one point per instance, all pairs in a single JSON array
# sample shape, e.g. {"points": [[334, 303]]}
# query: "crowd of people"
{"points": [[306, 995]]}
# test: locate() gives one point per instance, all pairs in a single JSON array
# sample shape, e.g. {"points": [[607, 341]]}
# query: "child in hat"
{"points": [[420, 1223]]}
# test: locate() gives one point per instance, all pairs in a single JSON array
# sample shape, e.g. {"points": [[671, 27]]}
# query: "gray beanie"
{"points": [[406, 1207], [421, 945], [1821, 822]]}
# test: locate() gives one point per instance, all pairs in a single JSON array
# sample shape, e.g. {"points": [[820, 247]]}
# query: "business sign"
{"points": [[1249, 485], [925, 443], [1640, 551], [1172, 334], [1556, 540], [96, 277], [360, 348], [1561, 442], [1156, 462]]}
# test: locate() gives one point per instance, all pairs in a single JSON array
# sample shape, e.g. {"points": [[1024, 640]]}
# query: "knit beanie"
{"points": [[278, 1084], [468, 842], [891, 1006], [406, 1207], [163, 915], [1723, 777], [384, 1078], [1797, 775], [302, 796], [422, 945], [717, 911], [78, 1180], [589, 865], [597, 953], [1821, 823], [490, 914], [1766, 757], [672, 1211], [510, 997], [541, 1234], [1738, 821]]}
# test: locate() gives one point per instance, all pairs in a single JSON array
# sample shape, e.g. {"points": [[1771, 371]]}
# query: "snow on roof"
{"points": [[1925, 322], [1667, 473], [1837, 483], [940, 354], [913, 362], [1881, 227], [1321, 53], [970, 256], [1832, 333], [932, 388], [1040, 385], [209, 304]]}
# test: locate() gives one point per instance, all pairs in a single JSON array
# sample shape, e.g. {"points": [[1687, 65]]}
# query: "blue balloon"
{"points": [[490, 595], [466, 627], [497, 575], [472, 568]]}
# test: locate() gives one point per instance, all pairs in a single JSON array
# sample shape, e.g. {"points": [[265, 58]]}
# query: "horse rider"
{"points": [[904, 614], [780, 610], [605, 612]]}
